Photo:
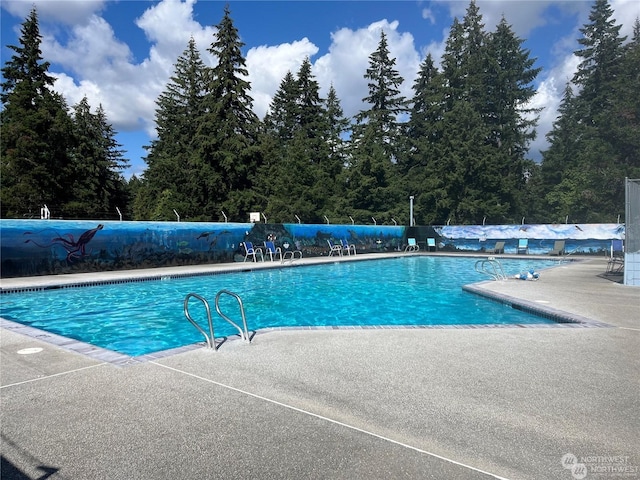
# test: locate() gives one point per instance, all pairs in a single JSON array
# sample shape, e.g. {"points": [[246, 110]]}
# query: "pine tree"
{"points": [[282, 118], [600, 66], [509, 90], [417, 164], [464, 61], [275, 177], [311, 143], [36, 131], [452, 65], [98, 186], [173, 164], [369, 177], [334, 167], [587, 144], [598, 80], [298, 180], [485, 84], [228, 132], [110, 179], [557, 182], [465, 180], [376, 139], [625, 120], [511, 121], [338, 125], [384, 100], [426, 104], [312, 116], [625, 134], [474, 57]]}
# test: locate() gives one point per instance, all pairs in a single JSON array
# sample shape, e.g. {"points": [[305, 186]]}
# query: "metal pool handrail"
{"points": [[492, 267], [244, 334], [290, 255], [211, 342]]}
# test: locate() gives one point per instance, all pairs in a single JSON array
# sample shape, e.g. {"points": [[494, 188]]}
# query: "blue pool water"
{"points": [[143, 317]]}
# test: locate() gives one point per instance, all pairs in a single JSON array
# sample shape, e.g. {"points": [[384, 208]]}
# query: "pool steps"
{"points": [[210, 338]]}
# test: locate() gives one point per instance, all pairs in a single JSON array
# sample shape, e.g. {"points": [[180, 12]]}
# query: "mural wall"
{"points": [[45, 247], [579, 238]]}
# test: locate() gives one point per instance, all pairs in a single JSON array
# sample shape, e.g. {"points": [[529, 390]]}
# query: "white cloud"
{"points": [[436, 49], [343, 66], [348, 58], [68, 12], [168, 25], [267, 66], [428, 14], [523, 16], [625, 13], [547, 98], [105, 67], [91, 48], [550, 89]]}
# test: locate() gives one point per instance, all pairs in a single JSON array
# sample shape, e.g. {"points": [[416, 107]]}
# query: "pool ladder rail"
{"points": [[290, 255], [210, 337], [492, 267]]}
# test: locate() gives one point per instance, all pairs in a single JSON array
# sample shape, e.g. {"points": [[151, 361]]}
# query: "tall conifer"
{"points": [[590, 184], [36, 131], [98, 186], [174, 169], [228, 131], [375, 142], [384, 101]]}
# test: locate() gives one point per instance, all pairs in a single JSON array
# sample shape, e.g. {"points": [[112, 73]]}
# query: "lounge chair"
{"points": [[431, 243], [250, 251], [616, 259], [412, 245], [271, 250], [523, 246], [347, 247], [617, 246], [615, 264], [498, 248], [558, 248], [333, 248]]}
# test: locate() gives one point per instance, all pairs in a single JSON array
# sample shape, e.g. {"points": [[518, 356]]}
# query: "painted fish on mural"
{"points": [[212, 237]]}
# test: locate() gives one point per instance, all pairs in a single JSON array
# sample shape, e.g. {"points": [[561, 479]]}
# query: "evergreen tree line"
{"points": [[459, 146], [595, 140], [68, 160]]}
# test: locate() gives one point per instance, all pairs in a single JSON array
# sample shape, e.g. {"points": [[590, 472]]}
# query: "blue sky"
{"points": [[120, 54]]}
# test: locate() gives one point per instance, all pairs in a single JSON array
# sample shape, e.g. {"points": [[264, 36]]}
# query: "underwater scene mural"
{"points": [[45, 247]]}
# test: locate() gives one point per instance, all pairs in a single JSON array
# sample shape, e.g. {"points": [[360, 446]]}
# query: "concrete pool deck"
{"points": [[432, 403]]}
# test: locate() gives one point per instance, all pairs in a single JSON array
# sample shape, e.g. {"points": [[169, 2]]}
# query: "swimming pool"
{"points": [[143, 317]]}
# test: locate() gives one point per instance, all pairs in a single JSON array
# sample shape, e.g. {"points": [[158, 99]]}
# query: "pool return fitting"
{"points": [[210, 337]]}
